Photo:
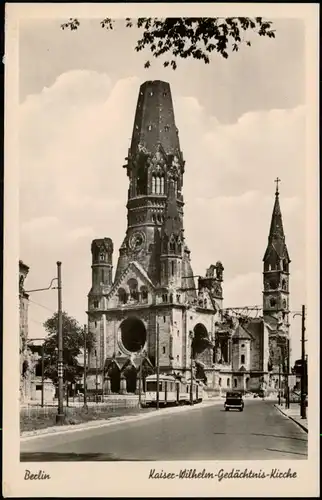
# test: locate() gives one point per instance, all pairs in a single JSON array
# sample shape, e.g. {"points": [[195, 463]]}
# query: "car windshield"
{"points": [[234, 395]]}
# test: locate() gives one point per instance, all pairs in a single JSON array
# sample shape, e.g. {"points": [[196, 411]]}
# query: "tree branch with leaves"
{"points": [[189, 37], [73, 346]]}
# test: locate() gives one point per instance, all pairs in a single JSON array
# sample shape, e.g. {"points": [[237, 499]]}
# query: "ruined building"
{"points": [[26, 358], [154, 298]]}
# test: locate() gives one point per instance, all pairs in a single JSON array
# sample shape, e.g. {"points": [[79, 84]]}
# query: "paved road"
{"points": [[260, 432]]}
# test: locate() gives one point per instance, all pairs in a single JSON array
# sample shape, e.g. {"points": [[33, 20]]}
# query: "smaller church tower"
{"points": [[171, 241], [102, 265], [276, 269], [276, 293]]}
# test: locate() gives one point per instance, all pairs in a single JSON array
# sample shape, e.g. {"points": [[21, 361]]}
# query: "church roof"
{"points": [[276, 237], [241, 333], [154, 120]]}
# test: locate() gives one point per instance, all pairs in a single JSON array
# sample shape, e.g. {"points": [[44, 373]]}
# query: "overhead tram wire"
{"points": [[41, 305]]}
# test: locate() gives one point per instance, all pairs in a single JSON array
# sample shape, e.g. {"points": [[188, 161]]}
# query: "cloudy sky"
{"points": [[241, 124]]}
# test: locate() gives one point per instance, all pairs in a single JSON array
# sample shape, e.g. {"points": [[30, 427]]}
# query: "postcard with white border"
{"points": [[161, 263]]}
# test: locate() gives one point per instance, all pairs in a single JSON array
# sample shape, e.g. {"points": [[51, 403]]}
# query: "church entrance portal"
{"points": [[200, 339], [133, 334], [131, 376], [115, 377]]}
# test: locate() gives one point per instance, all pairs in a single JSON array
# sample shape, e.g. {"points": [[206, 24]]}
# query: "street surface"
{"points": [[260, 432]]}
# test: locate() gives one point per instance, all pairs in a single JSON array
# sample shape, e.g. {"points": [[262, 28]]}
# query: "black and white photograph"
{"points": [[161, 177]]}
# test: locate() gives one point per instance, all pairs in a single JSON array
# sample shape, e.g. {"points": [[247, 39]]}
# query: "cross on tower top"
{"points": [[277, 180]]}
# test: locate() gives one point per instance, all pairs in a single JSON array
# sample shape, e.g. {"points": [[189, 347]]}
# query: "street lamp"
{"points": [[140, 376], [96, 377], [191, 362], [85, 367], [157, 365], [304, 370]]}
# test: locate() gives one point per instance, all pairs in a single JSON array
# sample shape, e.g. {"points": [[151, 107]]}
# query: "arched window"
{"points": [[272, 302], [153, 184], [171, 297], [219, 382], [102, 276], [172, 268], [228, 382], [133, 286], [235, 382], [172, 245], [285, 266], [144, 294], [162, 185], [157, 185], [242, 359]]}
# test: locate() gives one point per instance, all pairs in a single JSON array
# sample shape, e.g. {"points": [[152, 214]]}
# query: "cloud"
{"points": [[74, 137]]}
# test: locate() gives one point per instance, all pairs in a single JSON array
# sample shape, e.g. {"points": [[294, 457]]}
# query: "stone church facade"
{"points": [[154, 307]]}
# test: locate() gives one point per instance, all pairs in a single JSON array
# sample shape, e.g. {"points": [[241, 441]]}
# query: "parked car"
{"points": [[234, 401]]}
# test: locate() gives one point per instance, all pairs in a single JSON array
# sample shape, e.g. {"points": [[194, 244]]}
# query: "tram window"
{"points": [[151, 386]]}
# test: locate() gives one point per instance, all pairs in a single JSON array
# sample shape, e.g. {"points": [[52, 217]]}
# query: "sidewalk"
{"points": [[112, 420], [294, 413]]}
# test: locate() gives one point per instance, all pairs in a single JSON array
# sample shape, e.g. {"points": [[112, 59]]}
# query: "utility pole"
{"points": [[287, 403], [191, 375], [157, 365], [140, 379], [60, 415], [85, 367], [42, 374], [279, 379], [96, 377], [303, 377]]}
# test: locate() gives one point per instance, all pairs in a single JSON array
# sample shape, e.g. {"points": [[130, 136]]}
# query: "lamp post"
{"points": [[191, 368], [303, 375], [140, 377], [60, 417], [85, 367], [157, 365], [279, 378], [96, 377]]}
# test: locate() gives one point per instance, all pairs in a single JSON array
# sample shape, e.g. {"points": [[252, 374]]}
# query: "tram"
{"points": [[171, 391]]}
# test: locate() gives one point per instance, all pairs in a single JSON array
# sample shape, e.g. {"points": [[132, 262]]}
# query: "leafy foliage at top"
{"points": [[192, 37]]}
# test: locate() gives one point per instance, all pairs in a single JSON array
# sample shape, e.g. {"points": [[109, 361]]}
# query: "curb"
{"points": [[293, 419], [94, 424]]}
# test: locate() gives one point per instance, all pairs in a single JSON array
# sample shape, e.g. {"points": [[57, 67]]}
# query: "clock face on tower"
{"points": [[137, 240]]}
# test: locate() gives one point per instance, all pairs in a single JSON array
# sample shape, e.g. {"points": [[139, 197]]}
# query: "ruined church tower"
{"points": [[153, 289], [154, 159]]}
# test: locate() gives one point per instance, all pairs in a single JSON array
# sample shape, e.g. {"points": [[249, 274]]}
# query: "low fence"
{"points": [[108, 405]]}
